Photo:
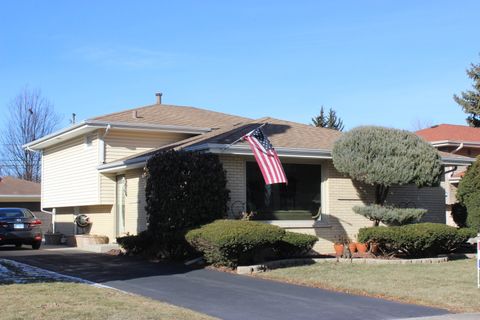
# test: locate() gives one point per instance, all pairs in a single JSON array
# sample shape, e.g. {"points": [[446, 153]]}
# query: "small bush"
{"points": [[295, 244], [390, 216], [233, 242], [416, 240], [136, 244]]}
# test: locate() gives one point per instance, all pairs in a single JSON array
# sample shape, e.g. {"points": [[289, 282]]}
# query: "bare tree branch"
{"points": [[30, 116]]}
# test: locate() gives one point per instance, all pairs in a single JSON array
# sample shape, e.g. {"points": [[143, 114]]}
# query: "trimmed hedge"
{"points": [[416, 240], [236, 242], [136, 244], [295, 244]]}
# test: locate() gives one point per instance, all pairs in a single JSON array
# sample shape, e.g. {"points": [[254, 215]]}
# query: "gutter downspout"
{"points": [[102, 144], [53, 213], [460, 147]]}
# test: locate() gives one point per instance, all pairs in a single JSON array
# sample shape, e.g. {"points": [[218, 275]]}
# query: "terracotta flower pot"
{"points": [[352, 246], [338, 249], [361, 247]]}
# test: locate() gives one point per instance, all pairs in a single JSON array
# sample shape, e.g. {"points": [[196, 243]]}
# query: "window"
{"points": [[299, 200]]}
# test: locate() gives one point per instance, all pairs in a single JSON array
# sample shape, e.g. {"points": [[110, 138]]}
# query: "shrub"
{"points": [[383, 157], [416, 240], [468, 194], [233, 242], [390, 216], [136, 244], [295, 244], [459, 214], [183, 190]]}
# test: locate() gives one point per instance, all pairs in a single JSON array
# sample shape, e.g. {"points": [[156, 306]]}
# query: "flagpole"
{"points": [[241, 138]]}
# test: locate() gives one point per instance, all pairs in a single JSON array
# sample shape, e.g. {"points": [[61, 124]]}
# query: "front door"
{"points": [[120, 205]]}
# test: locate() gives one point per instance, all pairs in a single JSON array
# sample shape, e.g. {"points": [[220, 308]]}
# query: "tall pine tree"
{"points": [[331, 121], [470, 100]]}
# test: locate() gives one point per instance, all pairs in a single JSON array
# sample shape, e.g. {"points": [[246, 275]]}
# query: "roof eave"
{"points": [[245, 150], [455, 143], [135, 163], [91, 125], [457, 161]]}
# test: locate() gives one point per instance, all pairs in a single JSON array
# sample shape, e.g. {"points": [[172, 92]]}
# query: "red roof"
{"points": [[450, 132]]}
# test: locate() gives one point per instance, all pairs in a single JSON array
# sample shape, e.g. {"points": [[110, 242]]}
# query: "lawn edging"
{"points": [[285, 263]]}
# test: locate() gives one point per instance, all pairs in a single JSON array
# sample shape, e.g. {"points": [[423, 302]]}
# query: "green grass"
{"points": [[79, 301], [451, 285]]}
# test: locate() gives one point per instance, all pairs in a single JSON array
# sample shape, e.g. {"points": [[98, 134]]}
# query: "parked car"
{"points": [[19, 226]]}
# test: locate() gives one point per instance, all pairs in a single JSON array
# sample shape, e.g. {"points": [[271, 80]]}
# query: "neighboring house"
{"points": [[18, 193], [96, 168], [454, 139]]}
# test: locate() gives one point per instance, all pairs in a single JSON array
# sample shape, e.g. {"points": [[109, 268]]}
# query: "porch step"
{"points": [[100, 248]]}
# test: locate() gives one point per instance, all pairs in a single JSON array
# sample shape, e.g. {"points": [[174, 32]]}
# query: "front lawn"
{"points": [[57, 300], [451, 285]]}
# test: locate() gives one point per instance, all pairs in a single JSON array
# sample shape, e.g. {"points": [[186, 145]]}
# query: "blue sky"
{"points": [[391, 63]]}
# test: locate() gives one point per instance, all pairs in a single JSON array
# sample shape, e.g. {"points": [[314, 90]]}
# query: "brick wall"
{"points": [[339, 195]]}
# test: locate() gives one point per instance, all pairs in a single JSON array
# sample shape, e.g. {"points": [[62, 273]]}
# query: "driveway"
{"points": [[219, 294]]}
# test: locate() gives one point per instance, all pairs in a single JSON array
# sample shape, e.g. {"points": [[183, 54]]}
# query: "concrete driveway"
{"points": [[219, 294]]}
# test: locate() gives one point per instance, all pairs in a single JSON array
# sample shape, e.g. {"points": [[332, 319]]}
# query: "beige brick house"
{"points": [[96, 168]]}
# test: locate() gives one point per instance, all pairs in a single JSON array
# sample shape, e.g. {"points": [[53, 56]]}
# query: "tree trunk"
{"points": [[381, 193]]}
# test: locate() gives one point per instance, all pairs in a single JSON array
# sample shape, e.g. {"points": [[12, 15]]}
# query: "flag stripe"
{"points": [[266, 157], [267, 161], [260, 160]]}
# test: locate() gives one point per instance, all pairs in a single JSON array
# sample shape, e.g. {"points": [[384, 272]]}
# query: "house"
{"points": [[454, 139], [96, 168], [19, 193]]}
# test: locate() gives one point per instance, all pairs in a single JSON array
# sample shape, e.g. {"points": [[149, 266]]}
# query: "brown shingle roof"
{"points": [[161, 114], [11, 186], [281, 133]]}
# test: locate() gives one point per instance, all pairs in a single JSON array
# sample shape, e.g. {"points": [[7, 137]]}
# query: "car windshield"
{"points": [[15, 213]]}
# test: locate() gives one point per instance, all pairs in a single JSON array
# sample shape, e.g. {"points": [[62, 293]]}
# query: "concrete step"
{"points": [[100, 248]]}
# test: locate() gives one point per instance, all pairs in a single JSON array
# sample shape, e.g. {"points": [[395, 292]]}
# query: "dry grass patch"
{"points": [[82, 302], [451, 285]]}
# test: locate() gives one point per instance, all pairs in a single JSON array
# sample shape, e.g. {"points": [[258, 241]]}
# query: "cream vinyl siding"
{"points": [[135, 215], [120, 144], [102, 218], [70, 176]]}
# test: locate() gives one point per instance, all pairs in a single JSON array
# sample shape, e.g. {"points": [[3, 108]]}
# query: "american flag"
{"points": [[266, 157]]}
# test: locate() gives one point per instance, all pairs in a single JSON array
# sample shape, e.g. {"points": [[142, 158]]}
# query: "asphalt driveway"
{"points": [[219, 294]]}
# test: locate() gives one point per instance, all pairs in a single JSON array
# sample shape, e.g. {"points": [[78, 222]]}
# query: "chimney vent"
{"points": [[159, 97], [134, 114]]}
